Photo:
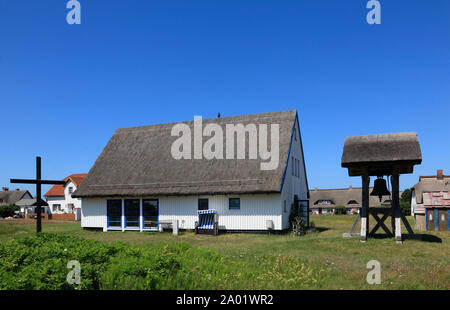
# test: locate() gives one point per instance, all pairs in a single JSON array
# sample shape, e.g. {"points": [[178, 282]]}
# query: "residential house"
{"points": [[136, 182], [12, 197], [430, 202], [324, 201], [59, 197]]}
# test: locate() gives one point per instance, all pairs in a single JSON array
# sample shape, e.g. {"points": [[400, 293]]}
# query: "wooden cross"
{"points": [[39, 202]]}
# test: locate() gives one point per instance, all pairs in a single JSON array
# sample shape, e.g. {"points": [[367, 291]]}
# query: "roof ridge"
{"points": [[254, 116]]}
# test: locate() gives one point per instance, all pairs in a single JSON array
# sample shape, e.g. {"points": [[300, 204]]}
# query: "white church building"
{"points": [[140, 179]]}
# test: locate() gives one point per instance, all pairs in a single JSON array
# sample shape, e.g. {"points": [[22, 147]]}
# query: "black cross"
{"points": [[39, 202]]}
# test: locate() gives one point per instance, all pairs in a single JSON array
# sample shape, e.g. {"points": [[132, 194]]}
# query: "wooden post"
{"points": [[38, 195], [365, 208], [397, 229]]}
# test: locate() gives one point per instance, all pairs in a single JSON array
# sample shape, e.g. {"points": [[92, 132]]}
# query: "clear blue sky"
{"points": [[64, 89]]}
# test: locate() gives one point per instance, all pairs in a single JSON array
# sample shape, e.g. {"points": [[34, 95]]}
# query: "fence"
{"points": [[60, 217]]}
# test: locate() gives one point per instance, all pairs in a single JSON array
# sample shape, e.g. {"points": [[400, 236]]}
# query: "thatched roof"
{"points": [[12, 196], [25, 202], [137, 162], [381, 154], [431, 184], [349, 197]]}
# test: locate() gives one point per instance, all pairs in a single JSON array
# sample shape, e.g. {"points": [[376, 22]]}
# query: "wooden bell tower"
{"points": [[381, 155]]}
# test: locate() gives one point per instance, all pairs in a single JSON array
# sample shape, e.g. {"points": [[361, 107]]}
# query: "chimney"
{"points": [[440, 174], [5, 189]]}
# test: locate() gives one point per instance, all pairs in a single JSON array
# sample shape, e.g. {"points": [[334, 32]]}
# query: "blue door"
{"points": [[114, 213], [132, 213], [150, 208]]}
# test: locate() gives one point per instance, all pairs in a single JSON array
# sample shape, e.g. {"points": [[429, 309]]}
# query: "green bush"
{"points": [[40, 262], [297, 224], [6, 211], [340, 210], [136, 268], [406, 207]]}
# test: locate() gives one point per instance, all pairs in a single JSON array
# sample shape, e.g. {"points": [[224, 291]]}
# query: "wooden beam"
{"points": [[396, 219], [365, 207], [408, 227], [355, 224], [380, 223]]}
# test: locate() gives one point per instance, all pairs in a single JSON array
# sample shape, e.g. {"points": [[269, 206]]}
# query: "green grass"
{"points": [[321, 260]]}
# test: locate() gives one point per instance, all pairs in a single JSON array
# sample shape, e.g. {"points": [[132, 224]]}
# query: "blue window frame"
{"points": [[114, 213], [132, 211], [150, 211], [234, 203], [203, 204]]}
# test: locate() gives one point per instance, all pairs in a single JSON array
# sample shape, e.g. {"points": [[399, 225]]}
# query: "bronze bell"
{"points": [[380, 188]]}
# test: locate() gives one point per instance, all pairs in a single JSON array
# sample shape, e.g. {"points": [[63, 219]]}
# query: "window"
{"points": [[70, 190], [295, 133], [203, 204], [150, 213], [114, 213], [70, 207], [293, 166], [284, 206], [234, 203], [56, 207], [296, 167], [325, 202], [131, 212]]}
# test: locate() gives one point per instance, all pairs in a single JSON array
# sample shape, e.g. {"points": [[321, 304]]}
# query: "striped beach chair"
{"points": [[208, 222]]}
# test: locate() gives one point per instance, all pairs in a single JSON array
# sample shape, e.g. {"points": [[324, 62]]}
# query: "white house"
{"points": [[430, 202], [139, 179], [21, 198], [59, 197]]}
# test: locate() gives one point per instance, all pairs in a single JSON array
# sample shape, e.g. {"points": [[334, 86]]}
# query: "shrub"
{"points": [[340, 210], [298, 226], [138, 269], [406, 195], [6, 211], [40, 262], [405, 207]]}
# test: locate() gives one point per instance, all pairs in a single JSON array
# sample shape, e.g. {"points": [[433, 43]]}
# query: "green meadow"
{"points": [[322, 259]]}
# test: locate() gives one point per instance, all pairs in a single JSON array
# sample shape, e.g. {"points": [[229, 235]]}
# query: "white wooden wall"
{"points": [[294, 185], [254, 211], [93, 213]]}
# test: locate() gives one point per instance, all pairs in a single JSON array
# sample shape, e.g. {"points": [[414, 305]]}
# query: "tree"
{"points": [[406, 196], [6, 211], [405, 201], [340, 210]]}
